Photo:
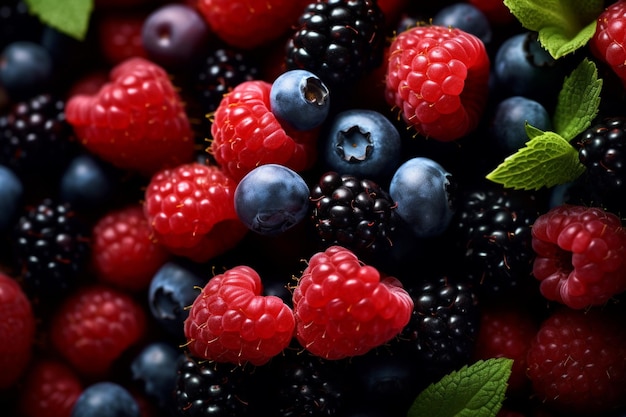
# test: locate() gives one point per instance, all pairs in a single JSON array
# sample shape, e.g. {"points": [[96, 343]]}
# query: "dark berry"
{"points": [[155, 369], [51, 246], [354, 213], [11, 193], [338, 40], [467, 17], [106, 399], [26, 69]]}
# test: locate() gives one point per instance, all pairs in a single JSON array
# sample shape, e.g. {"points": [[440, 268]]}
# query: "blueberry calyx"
{"points": [[354, 145], [314, 91]]}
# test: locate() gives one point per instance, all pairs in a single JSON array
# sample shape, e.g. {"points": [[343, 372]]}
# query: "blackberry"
{"points": [[354, 213], [221, 71], [338, 40], [492, 231], [602, 150], [211, 389], [35, 138], [442, 332], [51, 246], [302, 385]]}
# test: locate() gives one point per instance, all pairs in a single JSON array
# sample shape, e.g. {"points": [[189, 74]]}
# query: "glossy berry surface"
{"points": [[171, 290], [361, 142], [231, 321], [271, 199], [25, 69], [423, 191], [106, 399], [174, 35], [154, 368], [11, 192], [300, 99], [437, 79], [579, 255], [609, 36], [87, 182], [344, 308], [467, 17]]}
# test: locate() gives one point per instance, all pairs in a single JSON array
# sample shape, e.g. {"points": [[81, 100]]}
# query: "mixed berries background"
{"points": [[280, 208]]}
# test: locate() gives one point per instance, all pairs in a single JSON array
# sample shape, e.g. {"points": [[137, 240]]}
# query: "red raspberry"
{"points": [[230, 321], [191, 210], [246, 134], [438, 78], [580, 255], [119, 35], [577, 361], [51, 389], [136, 121], [17, 331], [94, 326], [123, 252], [506, 331], [608, 43], [251, 23], [343, 308]]}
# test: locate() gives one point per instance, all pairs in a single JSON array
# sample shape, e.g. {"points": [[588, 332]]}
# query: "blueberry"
{"points": [[155, 367], [422, 189], [26, 69], [11, 192], [105, 399], [507, 127], [271, 199], [87, 182], [300, 99], [523, 67], [466, 17], [172, 289], [363, 143], [174, 35]]}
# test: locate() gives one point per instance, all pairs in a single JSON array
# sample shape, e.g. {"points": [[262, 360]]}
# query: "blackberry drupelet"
{"points": [[338, 40], [221, 71], [213, 389], [35, 139], [444, 325], [602, 149], [304, 385], [492, 231], [354, 213], [51, 246]]}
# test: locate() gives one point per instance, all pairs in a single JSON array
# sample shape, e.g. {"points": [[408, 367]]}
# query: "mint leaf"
{"points": [[578, 100], [473, 391], [546, 160], [532, 131], [563, 25], [70, 17]]}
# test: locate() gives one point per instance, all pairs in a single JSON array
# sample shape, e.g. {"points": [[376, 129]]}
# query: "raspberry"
{"points": [[246, 134], [577, 361], [17, 331], [94, 326], [438, 77], [51, 388], [609, 39], [191, 211], [119, 35], [343, 308], [136, 121], [251, 23], [506, 330], [230, 321], [580, 255], [123, 253]]}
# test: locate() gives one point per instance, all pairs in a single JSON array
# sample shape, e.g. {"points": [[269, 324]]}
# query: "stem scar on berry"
{"points": [[314, 91], [354, 145]]}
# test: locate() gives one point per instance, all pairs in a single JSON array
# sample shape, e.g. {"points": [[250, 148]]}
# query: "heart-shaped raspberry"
{"points": [[343, 308], [230, 321], [137, 121]]}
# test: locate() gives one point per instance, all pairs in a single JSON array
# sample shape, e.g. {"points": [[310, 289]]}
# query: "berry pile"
{"points": [[312, 208]]}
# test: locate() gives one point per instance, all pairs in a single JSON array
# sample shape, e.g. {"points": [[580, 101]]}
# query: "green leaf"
{"points": [[578, 100], [532, 131], [70, 17], [546, 160], [473, 391], [563, 25]]}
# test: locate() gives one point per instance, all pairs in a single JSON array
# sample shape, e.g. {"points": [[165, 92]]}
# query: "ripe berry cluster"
{"points": [[280, 207]]}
